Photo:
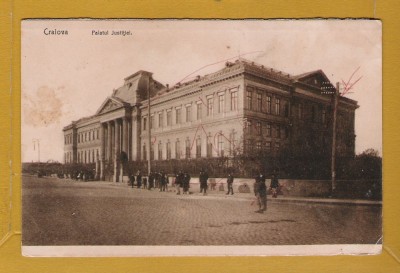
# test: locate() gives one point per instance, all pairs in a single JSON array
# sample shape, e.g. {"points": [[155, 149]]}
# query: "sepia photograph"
{"points": [[201, 137]]}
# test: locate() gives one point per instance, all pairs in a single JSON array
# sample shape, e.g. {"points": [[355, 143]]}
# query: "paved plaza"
{"points": [[66, 212]]}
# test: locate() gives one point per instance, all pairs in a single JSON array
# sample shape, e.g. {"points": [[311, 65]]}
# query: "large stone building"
{"points": [[244, 108]]}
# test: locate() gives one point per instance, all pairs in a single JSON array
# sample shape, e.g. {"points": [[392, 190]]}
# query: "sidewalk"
{"points": [[249, 196]]}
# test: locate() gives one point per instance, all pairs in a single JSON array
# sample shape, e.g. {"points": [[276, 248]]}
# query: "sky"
{"points": [[66, 77]]}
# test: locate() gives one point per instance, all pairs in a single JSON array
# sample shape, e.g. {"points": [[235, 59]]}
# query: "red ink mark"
{"points": [[347, 86]]}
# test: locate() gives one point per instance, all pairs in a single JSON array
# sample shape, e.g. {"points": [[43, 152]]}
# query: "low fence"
{"points": [[352, 189]]}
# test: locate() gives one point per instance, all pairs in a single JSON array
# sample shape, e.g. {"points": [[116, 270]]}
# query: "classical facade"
{"points": [[244, 108]]}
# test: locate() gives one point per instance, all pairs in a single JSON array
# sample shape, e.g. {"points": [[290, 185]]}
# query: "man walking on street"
{"points": [[260, 191], [229, 181], [203, 182], [178, 182]]}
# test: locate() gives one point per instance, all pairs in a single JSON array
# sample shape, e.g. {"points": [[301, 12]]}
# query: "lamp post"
{"points": [[36, 141], [149, 135]]}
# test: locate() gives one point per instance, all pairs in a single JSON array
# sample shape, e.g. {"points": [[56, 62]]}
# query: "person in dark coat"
{"points": [[139, 180], [203, 182], [163, 181], [151, 180], [178, 182], [132, 180], [260, 191], [186, 183], [229, 181], [274, 186]]}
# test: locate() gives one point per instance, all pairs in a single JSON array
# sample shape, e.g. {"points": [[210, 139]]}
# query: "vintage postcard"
{"points": [[201, 137]]}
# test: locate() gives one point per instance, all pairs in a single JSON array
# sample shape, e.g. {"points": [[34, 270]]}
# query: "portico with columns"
{"points": [[115, 136]]}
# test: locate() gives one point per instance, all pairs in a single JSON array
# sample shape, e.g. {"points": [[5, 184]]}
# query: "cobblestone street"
{"points": [[66, 212]]}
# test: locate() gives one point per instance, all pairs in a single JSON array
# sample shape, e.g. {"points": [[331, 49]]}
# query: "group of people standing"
{"points": [[182, 180], [158, 180]]}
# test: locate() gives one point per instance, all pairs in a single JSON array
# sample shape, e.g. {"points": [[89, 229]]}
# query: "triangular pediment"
{"points": [[109, 105], [316, 79]]}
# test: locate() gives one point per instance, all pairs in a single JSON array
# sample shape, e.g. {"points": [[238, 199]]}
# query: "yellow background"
{"points": [[11, 13]]}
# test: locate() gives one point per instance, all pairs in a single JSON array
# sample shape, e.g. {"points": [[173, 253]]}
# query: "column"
{"points": [[125, 147], [102, 150], [109, 138], [116, 149]]}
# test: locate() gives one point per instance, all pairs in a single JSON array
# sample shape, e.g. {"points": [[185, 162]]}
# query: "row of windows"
{"points": [[188, 115], [259, 128], [314, 116], [68, 139], [269, 108], [88, 136], [88, 156], [184, 150], [261, 146], [68, 157]]}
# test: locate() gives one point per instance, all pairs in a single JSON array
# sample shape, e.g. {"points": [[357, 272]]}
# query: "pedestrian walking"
{"points": [[260, 191], [274, 186], [203, 182], [229, 181], [139, 180], [186, 183], [132, 180], [179, 182], [163, 181]]}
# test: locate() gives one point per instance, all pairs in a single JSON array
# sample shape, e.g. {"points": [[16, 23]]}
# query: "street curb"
{"points": [[328, 201]]}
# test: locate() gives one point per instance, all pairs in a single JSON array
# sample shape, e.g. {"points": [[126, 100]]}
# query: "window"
{"points": [[160, 150], [286, 110], [178, 116], [198, 147], [278, 131], [188, 113], [249, 100], [209, 146], [152, 151], [220, 145], [268, 127], [277, 106], [248, 127], [85, 136], [249, 145], [209, 106], [144, 124], [187, 148], [258, 126], [269, 104], [151, 125], [144, 156], [221, 103], [313, 115], [177, 149], [268, 146], [323, 118], [232, 143], [169, 118], [168, 150], [259, 102], [258, 146], [234, 101], [199, 112], [160, 120], [277, 146], [98, 134]]}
